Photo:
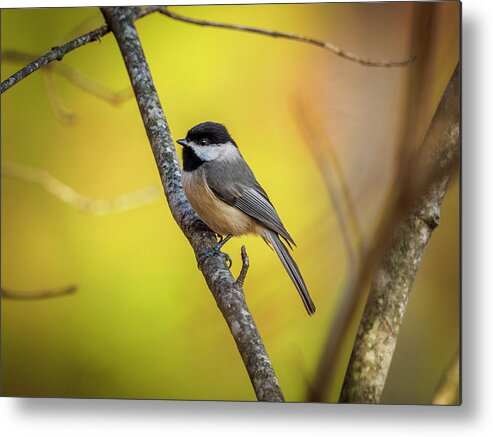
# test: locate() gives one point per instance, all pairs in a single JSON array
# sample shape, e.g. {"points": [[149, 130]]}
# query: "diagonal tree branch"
{"points": [[227, 292], [57, 53], [392, 285], [74, 77]]}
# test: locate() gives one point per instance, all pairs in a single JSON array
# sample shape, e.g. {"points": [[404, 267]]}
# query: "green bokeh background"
{"points": [[142, 323]]}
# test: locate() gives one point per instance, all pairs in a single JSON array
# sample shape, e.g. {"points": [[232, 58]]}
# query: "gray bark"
{"points": [[389, 293], [227, 292]]}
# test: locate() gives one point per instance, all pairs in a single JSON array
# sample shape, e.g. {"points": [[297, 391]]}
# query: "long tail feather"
{"points": [[292, 269]]}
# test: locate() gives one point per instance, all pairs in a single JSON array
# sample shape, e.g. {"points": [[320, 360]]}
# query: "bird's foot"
{"points": [[217, 249], [214, 250]]}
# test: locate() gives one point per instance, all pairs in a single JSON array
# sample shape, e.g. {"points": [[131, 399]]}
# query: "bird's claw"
{"points": [[213, 251], [228, 259]]}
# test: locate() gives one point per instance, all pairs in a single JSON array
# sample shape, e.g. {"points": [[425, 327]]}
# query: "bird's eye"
{"points": [[204, 142]]}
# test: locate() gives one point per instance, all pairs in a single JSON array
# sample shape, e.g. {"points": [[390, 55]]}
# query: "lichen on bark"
{"points": [[227, 292], [391, 287]]}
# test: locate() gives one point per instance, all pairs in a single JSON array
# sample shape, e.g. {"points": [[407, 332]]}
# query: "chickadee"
{"points": [[225, 194]]}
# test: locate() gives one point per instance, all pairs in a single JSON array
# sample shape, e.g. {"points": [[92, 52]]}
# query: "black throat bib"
{"points": [[191, 161]]}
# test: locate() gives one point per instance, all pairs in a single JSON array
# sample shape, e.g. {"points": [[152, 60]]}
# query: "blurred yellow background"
{"points": [[142, 323]]}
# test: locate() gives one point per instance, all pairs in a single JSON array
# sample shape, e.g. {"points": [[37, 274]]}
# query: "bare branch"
{"points": [[57, 53], [245, 264], [447, 391], [38, 294], [68, 195], [319, 144], [59, 109], [228, 294], [412, 178], [392, 284], [114, 98], [74, 77], [305, 39]]}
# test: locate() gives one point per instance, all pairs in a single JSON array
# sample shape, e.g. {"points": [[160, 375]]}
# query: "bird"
{"points": [[223, 191]]}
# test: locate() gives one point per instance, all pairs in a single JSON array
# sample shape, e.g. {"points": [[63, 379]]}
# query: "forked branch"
{"points": [[57, 53], [77, 79]]}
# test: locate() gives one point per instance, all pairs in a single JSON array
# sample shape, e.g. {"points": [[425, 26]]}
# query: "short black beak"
{"points": [[182, 142]]}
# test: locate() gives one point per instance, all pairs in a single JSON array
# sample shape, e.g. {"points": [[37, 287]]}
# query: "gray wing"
{"points": [[235, 184]]}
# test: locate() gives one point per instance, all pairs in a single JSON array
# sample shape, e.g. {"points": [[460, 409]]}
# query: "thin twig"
{"points": [[74, 77], [228, 295], [318, 142], [305, 39], [447, 391], [95, 20], [245, 264], [348, 198], [114, 98], [320, 146], [59, 109], [68, 195], [38, 294], [57, 53]]}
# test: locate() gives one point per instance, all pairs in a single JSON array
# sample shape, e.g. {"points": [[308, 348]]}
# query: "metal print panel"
{"points": [[243, 202]]}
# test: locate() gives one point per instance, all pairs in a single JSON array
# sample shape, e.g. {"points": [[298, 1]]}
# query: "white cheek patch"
{"points": [[213, 152], [207, 153], [229, 151]]}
